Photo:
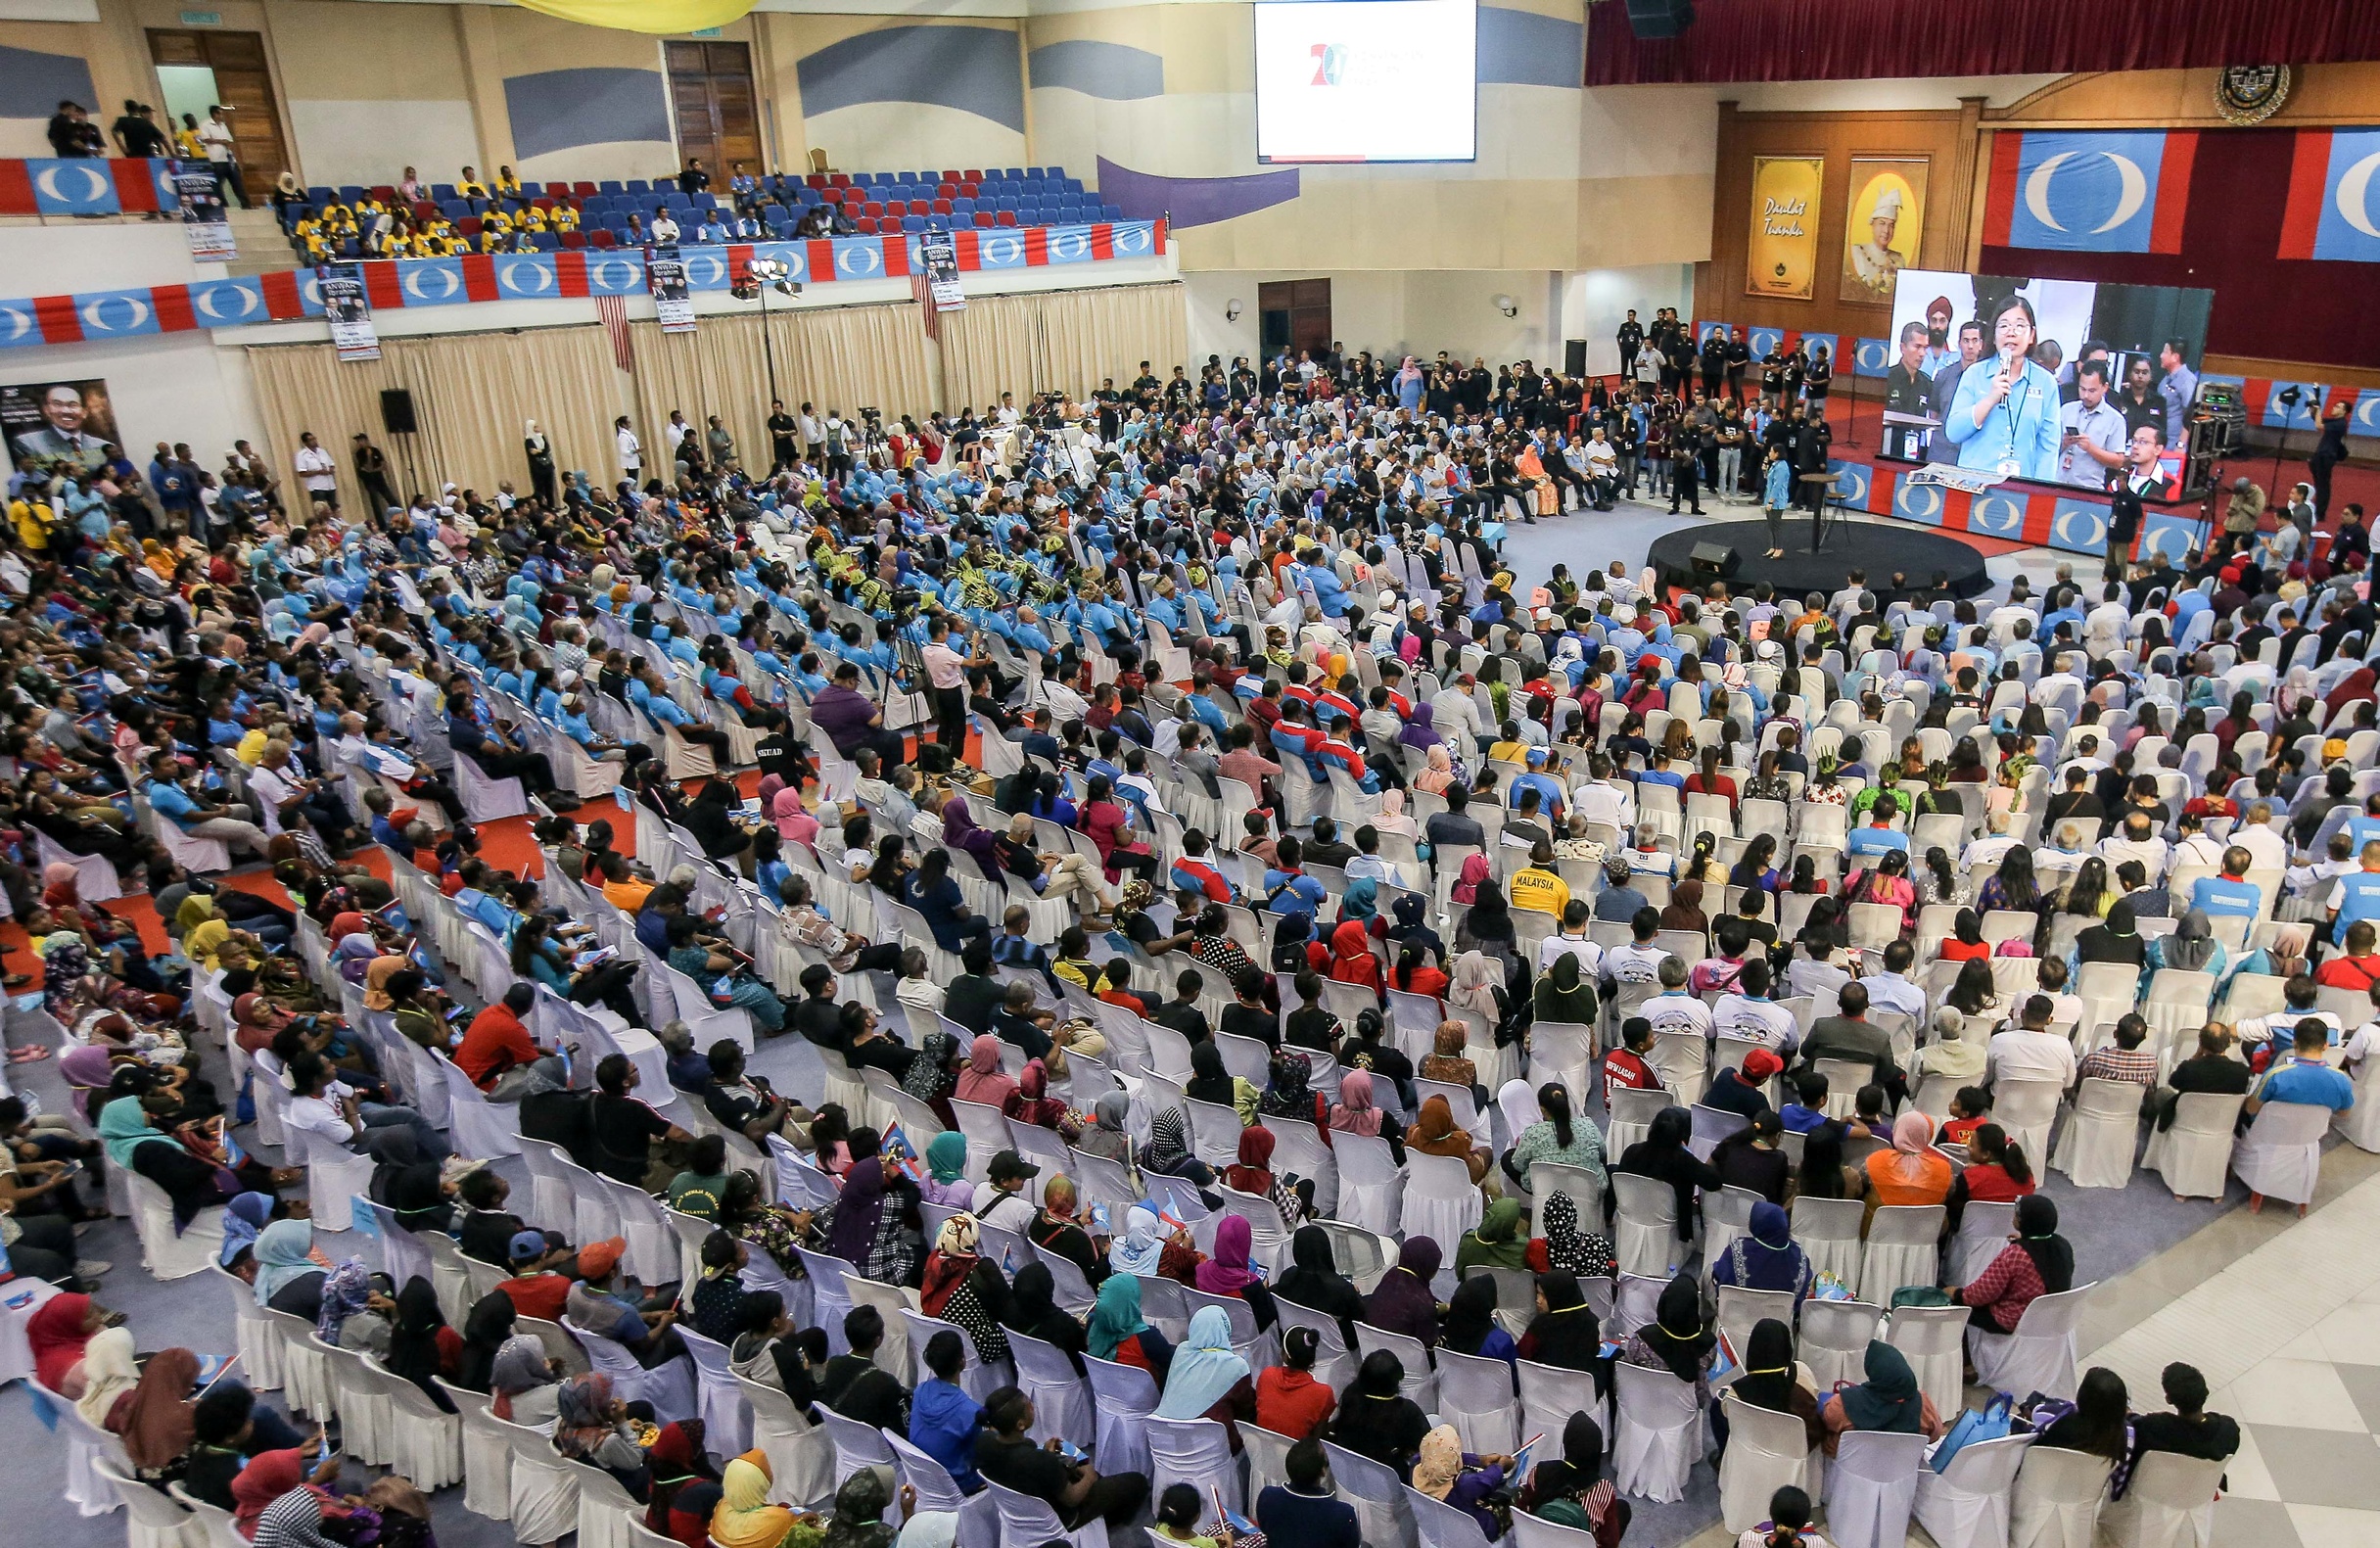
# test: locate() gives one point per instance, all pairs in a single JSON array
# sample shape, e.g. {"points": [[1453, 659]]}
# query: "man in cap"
{"points": [[541, 1285], [1001, 1201], [643, 1329]]}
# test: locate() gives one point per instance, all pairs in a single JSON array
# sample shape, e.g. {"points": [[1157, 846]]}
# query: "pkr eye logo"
{"points": [[1330, 64]]}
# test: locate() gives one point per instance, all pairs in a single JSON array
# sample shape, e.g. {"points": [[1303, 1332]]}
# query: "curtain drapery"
{"points": [[843, 358], [1870, 39], [1058, 340], [473, 396]]}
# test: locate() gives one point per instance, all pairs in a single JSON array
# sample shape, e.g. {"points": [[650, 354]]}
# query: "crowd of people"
{"points": [[1323, 763]]}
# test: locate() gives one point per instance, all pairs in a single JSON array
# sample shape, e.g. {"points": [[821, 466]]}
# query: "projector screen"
{"points": [[1367, 80]]}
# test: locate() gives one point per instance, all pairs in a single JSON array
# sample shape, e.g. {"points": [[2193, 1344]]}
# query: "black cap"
{"points": [[1009, 1166]]}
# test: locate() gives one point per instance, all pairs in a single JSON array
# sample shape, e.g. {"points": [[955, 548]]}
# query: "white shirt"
{"points": [[2152, 853], [1007, 1211], [1631, 964], [2268, 849], [1590, 955], [321, 1115], [2019, 1055], [1603, 802], [315, 469], [1740, 1016], [1677, 1011], [632, 450], [217, 138], [2283, 1024], [1988, 850], [1892, 992], [1808, 975]]}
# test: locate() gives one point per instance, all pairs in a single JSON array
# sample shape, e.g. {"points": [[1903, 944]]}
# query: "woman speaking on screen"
{"points": [[2004, 416]]}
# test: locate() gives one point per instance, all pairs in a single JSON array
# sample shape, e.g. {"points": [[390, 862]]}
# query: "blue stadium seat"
{"points": [[637, 185], [544, 241], [1036, 171], [351, 193], [1005, 204], [455, 209], [905, 178], [321, 194], [962, 207], [773, 213], [1013, 175], [611, 186], [781, 230], [1110, 212], [439, 193]]}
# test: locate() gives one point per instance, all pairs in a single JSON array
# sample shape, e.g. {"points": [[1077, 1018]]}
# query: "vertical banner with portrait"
{"points": [[665, 275], [1883, 225], [1782, 259], [205, 221], [347, 306], [50, 423], [938, 252]]}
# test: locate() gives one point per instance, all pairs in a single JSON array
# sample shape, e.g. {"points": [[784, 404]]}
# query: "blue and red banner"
{"points": [[2097, 191], [86, 186], [2333, 211], [538, 276]]}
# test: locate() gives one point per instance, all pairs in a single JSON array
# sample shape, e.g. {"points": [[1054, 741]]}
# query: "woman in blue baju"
{"points": [[2003, 416]]}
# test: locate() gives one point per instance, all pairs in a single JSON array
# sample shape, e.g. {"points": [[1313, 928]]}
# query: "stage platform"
{"points": [[1882, 550]]}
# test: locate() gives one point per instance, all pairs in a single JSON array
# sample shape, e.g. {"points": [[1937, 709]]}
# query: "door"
{"points": [[242, 88], [711, 88], [1296, 312]]}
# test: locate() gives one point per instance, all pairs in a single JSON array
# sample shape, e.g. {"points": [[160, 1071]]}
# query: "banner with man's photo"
{"points": [[665, 274], [1885, 221], [347, 306], [50, 423], [205, 221]]}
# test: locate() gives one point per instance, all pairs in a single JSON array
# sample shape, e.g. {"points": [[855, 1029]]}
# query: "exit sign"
{"points": [[705, 31], [202, 19]]}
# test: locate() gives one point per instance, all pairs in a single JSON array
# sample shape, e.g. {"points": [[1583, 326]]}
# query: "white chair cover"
{"points": [[1966, 1504], [486, 1455], [86, 1447], [801, 1458], [605, 1508], [1872, 1488], [1644, 1230], [1901, 1251], [2040, 1356], [166, 1254], [1551, 1395], [726, 1417], [669, 1386], [1441, 1202], [1061, 1399], [481, 1128], [2168, 1504], [1126, 1394], [151, 1518], [1024, 1518], [421, 1442], [2057, 1499], [2280, 1156], [1765, 1451], [1476, 1395], [2194, 1156], [1196, 1452], [1934, 1340], [544, 1500], [1660, 1434], [2095, 1147]]}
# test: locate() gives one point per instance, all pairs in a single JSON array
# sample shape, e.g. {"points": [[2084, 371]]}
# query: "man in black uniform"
{"points": [[1688, 442], [1813, 436], [1715, 362], [2329, 453], [1738, 355], [782, 428], [372, 472], [1631, 338]]}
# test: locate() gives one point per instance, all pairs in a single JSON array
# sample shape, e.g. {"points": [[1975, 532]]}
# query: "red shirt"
{"points": [[1291, 1402], [1625, 1069], [494, 1043], [538, 1295], [1991, 1185], [2348, 972]]}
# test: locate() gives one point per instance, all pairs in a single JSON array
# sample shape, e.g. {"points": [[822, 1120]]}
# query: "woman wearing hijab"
{"points": [[1565, 1248], [1662, 1155], [2036, 1262], [1888, 1400], [156, 1420], [1031, 1101], [1108, 1136], [1773, 1379], [2114, 939], [874, 1222], [1684, 910], [413, 1187], [1470, 1326], [278, 1507], [744, 1517], [288, 1279], [684, 1489], [711, 817], [1034, 1312], [962, 1289], [1211, 1082], [1228, 1272], [1565, 1331], [1403, 1301], [1357, 1112], [2192, 947], [1376, 1419], [1116, 1331], [1495, 1242], [1443, 1472], [982, 1080], [1912, 1171], [1209, 1379], [421, 1346], [1438, 767], [1252, 1173], [60, 1333], [859, 1519], [1168, 1150], [522, 1383], [1564, 994], [933, 1075], [1435, 1133], [1766, 1258], [109, 1372], [946, 1162], [485, 1328], [1313, 1280], [593, 1427], [1679, 1340], [1572, 1490], [1349, 960]]}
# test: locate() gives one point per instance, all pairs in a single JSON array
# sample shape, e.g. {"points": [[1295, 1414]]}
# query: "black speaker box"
{"points": [[1715, 559], [397, 411]]}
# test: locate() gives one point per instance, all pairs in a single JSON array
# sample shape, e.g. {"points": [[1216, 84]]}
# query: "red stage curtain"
{"points": [[2265, 306], [1872, 40]]}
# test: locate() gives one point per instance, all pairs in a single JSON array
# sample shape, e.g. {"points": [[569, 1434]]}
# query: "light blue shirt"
{"points": [[2022, 427]]}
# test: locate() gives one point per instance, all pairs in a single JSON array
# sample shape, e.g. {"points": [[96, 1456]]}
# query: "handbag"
{"points": [[1922, 1296], [1988, 1423]]}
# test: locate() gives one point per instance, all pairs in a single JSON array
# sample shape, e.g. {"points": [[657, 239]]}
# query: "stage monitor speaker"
{"points": [[397, 411], [1715, 560], [1573, 357], [1659, 17]]}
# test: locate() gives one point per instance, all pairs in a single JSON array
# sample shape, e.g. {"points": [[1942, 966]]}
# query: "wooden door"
{"points": [[1303, 305], [244, 86], [711, 89]]}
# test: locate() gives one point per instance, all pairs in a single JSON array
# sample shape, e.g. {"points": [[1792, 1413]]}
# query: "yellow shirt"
{"points": [[508, 185], [1509, 753], [565, 218], [471, 190], [1541, 890], [249, 749], [496, 218], [492, 240]]}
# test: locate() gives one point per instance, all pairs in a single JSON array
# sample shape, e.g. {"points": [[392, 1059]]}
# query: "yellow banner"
{"points": [[660, 17], [1782, 259]]}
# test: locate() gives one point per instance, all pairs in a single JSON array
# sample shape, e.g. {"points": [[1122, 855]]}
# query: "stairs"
{"points": [[263, 249]]}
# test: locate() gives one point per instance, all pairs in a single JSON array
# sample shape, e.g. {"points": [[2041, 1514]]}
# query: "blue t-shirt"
{"points": [[2310, 1081], [2220, 896], [1875, 841]]}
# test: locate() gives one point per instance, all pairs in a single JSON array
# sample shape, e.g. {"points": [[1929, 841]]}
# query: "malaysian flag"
{"points": [[614, 312], [922, 288]]}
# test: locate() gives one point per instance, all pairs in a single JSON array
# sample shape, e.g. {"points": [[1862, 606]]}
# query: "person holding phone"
{"points": [[2003, 417], [1006, 1455]]}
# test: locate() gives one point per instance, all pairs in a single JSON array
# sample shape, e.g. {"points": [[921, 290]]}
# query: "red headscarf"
{"points": [[56, 1333], [268, 1476]]}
